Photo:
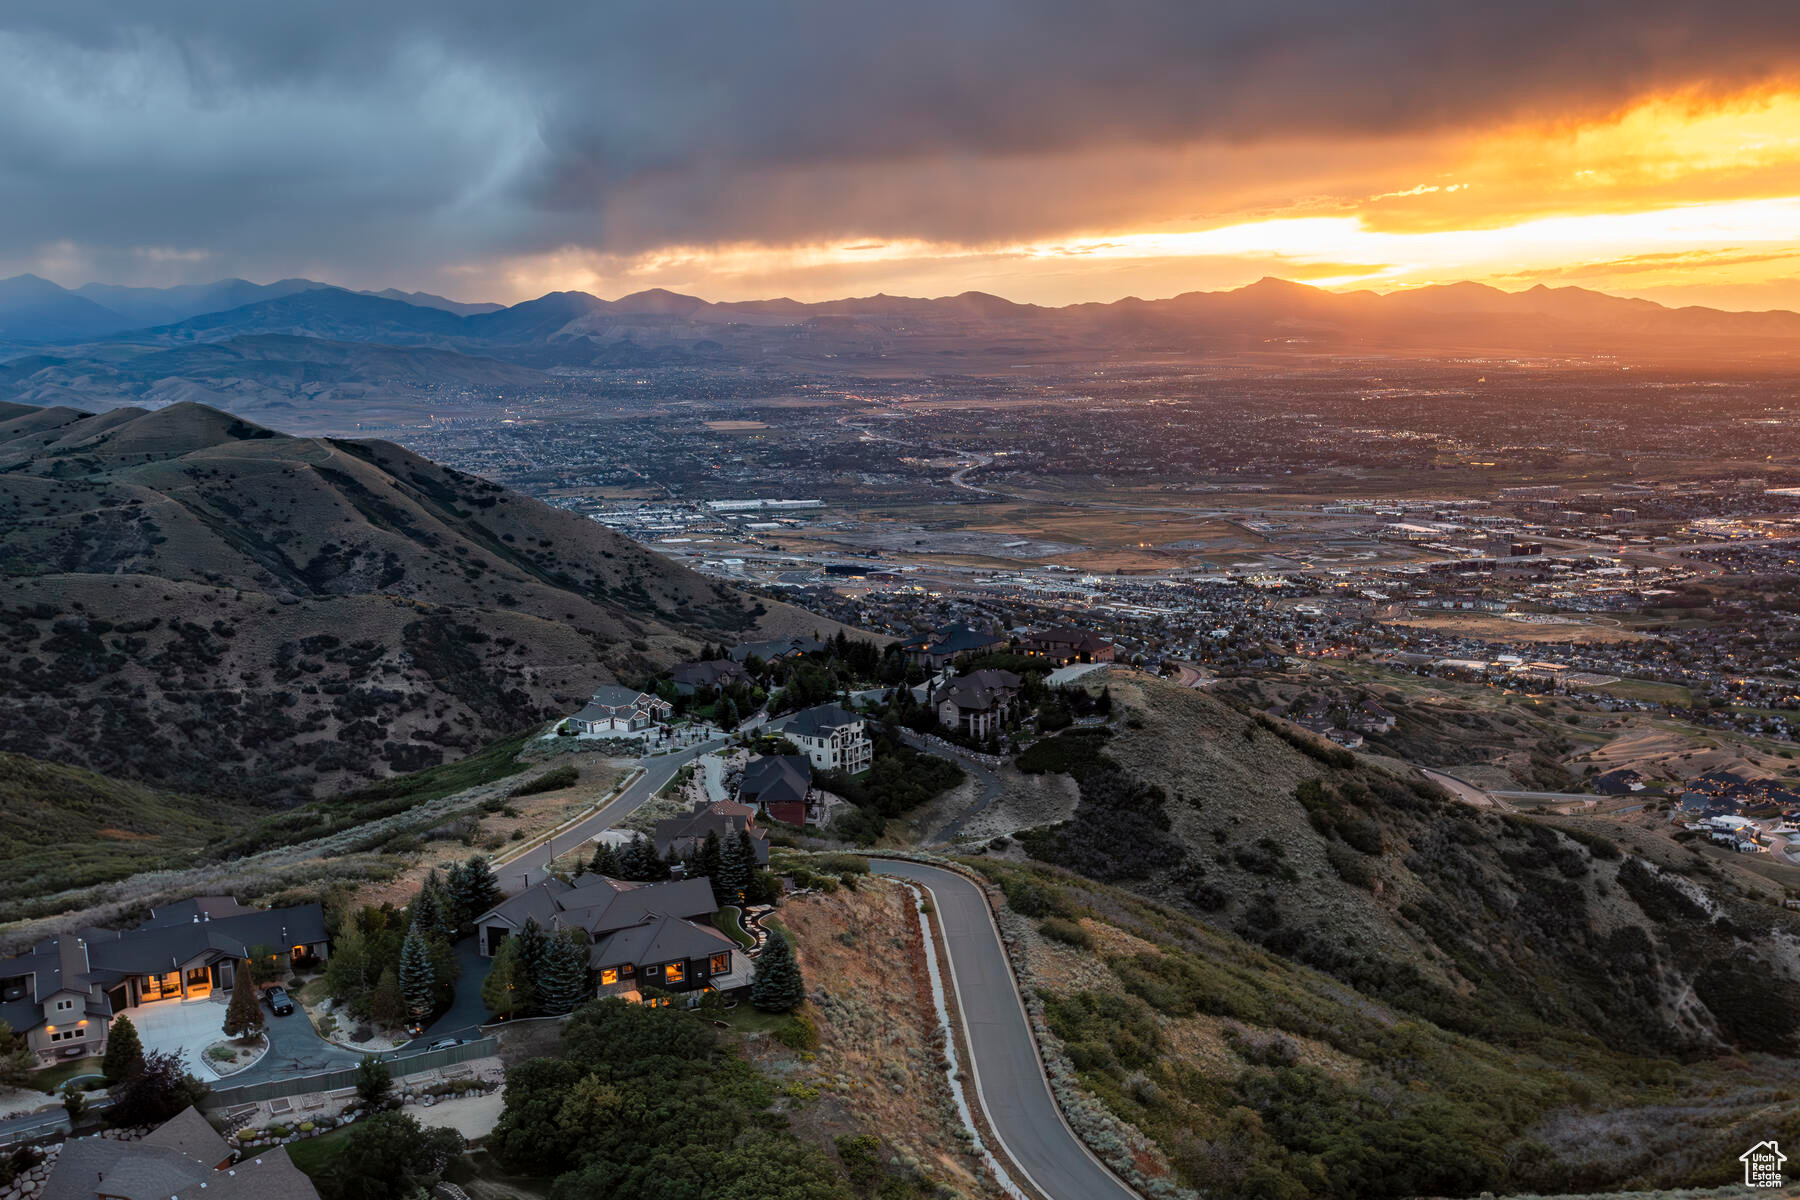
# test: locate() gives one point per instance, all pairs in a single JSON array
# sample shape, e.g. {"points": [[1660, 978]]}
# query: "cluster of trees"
{"points": [[650, 1101], [729, 863], [898, 780], [397, 966], [148, 1087], [538, 972]]}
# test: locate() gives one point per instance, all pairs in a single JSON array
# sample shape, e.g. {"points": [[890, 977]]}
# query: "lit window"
{"points": [[721, 962], [609, 975], [675, 972]]}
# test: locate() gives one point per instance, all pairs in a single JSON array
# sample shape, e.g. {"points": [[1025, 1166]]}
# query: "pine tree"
{"points": [[506, 992], [418, 980], [605, 861], [124, 1052], [637, 861], [665, 866], [428, 909], [725, 713], [534, 943], [478, 892], [562, 983], [777, 986], [709, 856], [243, 1016], [387, 1003], [734, 868]]}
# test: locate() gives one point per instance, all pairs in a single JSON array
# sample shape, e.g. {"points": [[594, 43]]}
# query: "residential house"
{"points": [[727, 818], [1064, 645], [1371, 717], [622, 710], [777, 648], [977, 703], [640, 934], [943, 646], [182, 1157], [778, 786], [63, 993], [713, 673], [832, 738]]}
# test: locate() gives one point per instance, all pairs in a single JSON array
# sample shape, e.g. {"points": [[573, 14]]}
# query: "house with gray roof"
{"points": [[832, 738], [640, 934], [727, 818], [977, 703], [778, 786], [63, 993], [943, 646], [183, 1157], [614, 709]]}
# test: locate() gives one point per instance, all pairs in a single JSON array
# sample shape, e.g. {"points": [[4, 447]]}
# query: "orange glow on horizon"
{"points": [[1674, 194]]}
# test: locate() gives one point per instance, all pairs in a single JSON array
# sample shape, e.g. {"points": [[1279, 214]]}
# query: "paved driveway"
{"points": [[1008, 1077], [466, 1011], [295, 1048]]}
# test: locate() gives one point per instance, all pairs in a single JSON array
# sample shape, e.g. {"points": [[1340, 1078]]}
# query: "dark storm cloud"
{"points": [[383, 136]]}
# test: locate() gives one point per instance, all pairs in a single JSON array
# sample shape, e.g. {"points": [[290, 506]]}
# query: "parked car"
{"points": [[279, 1002], [445, 1043]]}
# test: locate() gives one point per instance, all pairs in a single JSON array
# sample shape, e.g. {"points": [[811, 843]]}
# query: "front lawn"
{"points": [[315, 1154], [51, 1079]]}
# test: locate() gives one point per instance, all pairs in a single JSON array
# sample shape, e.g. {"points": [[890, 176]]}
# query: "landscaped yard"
{"points": [[314, 1155], [729, 921], [51, 1079]]}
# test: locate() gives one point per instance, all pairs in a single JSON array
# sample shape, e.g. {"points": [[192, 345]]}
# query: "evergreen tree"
{"points": [[243, 1016], [345, 971], [456, 889], [725, 714], [708, 859], [428, 909], [777, 986], [605, 861], [374, 1083], [124, 1052], [665, 866], [479, 892], [387, 1003], [506, 991], [734, 868], [638, 862], [562, 984], [17, 1062], [445, 970], [534, 943], [418, 980]]}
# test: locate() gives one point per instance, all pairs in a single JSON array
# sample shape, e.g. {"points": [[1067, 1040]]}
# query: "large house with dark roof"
{"points": [[712, 673], [64, 991], [977, 703], [778, 786], [1064, 645], [943, 646], [621, 710], [778, 648], [832, 738], [640, 934], [727, 818], [184, 1156]]}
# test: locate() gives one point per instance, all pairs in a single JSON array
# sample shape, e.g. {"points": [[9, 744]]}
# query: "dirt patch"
{"points": [[879, 1067]]}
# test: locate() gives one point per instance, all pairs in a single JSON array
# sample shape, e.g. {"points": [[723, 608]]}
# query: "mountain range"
{"points": [[197, 602], [302, 352]]}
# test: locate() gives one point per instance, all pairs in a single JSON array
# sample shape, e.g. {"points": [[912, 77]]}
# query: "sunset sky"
{"points": [[1045, 151]]}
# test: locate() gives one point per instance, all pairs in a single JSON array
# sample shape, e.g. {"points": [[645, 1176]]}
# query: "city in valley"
{"points": [[911, 602]]}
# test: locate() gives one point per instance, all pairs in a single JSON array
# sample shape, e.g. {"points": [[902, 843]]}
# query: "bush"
{"points": [[1066, 931], [798, 1032], [549, 781]]}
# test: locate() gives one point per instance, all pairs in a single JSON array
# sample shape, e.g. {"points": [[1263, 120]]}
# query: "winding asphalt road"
{"points": [[1009, 1078]]}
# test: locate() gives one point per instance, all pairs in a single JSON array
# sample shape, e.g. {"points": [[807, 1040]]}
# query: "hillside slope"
{"points": [[1489, 924], [202, 603]]}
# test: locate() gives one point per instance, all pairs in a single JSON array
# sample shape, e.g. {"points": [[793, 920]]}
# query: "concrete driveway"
{"points": [[188, 1026]]}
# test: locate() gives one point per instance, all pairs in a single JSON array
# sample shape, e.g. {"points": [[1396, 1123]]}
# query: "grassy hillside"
{"points": [[204, 604], [1497, 926], [64, 827], [1258, 1076]]}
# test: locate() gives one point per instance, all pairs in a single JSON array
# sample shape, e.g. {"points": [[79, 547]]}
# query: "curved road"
{"points": [[1009, 1079]]}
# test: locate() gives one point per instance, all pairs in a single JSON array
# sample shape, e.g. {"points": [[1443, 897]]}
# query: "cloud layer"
{"points": [[460, 145]]}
